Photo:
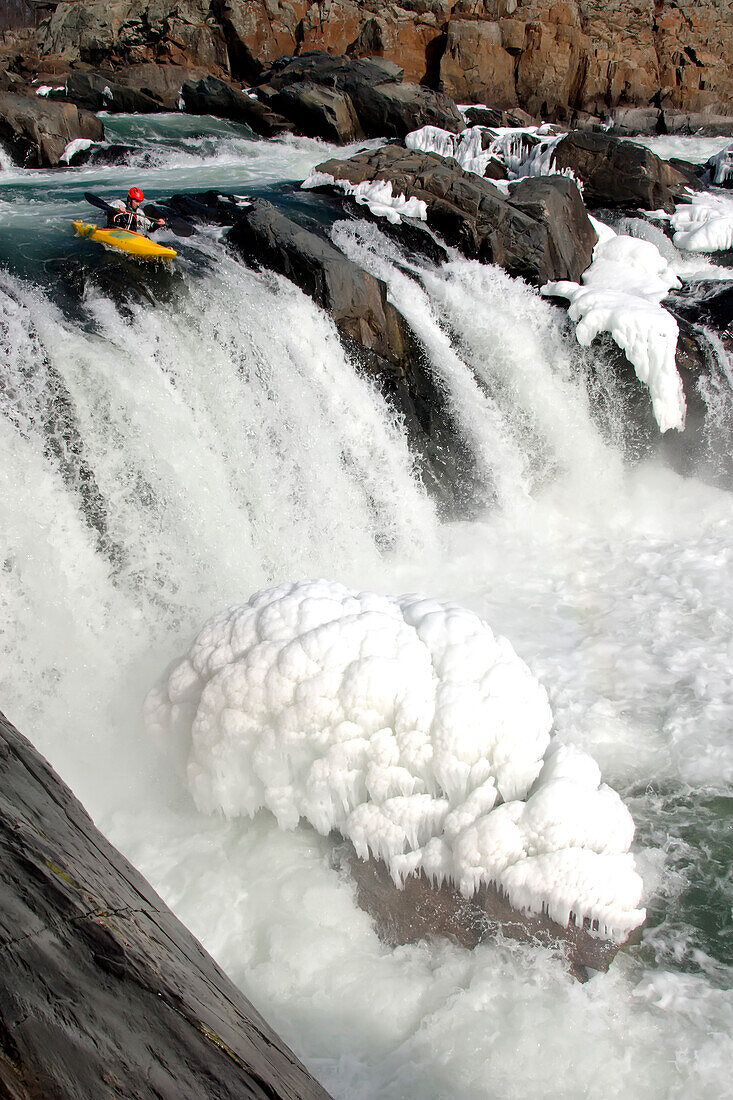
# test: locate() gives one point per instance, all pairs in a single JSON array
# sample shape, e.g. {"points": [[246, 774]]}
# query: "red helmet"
{"points": [[136, 194]]}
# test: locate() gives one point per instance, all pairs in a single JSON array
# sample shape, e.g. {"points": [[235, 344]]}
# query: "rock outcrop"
{"points": [[617, 173], [36, 132], [372, 330], [551, 59], [371, 90], [541, 227], [211, 96], [104, 992]]}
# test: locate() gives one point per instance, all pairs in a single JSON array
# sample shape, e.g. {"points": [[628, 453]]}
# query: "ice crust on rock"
{"points": [[375, 194], [705, 224], [406, 725], [621, 294], [507, 144]]}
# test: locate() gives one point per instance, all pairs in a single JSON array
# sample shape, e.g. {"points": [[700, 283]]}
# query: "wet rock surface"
{"points": [[540, 229], [420, 910], [211, 96], [373, 332], [104, 992]]}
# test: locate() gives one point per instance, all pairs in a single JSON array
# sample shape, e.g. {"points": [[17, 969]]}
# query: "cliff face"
{"points": [[549, 58]]}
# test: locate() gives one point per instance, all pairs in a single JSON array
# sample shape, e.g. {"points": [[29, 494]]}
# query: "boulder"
{"points": [[104, 991], [317, 112], [394, 110], [211, 96], [420, 910], [384, 106], [36, 132], [542, 227], [343, 73], [616, 173], [355, 299], [160, 82], [95, 92]]}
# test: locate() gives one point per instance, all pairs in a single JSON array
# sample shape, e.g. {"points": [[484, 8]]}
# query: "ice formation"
{"points": [[376, 194], [406, 725], [621, 294], [720, 166], [704, 224], [508, 144], [75, 146]]}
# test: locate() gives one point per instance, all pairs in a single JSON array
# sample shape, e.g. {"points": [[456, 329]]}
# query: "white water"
{"points": [[235, 446]]}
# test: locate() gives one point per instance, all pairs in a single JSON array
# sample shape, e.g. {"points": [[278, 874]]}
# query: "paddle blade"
{"points": [[100, 203], [180, 227]]}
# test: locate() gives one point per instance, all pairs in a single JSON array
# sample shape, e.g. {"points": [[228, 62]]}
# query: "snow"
{"points": [[621, 294], [46, 89], [705, 224], [406, 725], [74, 147], [376, 194]]}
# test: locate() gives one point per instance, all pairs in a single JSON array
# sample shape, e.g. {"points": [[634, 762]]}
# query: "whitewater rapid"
{"points": [[233, 445]]}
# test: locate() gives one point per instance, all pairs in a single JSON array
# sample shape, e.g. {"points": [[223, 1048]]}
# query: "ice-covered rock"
{"points": [[704, 224], [407, 726], [621, 293]]}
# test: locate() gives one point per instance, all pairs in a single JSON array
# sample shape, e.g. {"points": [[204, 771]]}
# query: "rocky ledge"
{"points": [[104, 992], [551, 59]]}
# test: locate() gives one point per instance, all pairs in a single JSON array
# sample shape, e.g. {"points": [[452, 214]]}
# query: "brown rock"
{"points": [[37, 132], [475, 66], [419, 910]]}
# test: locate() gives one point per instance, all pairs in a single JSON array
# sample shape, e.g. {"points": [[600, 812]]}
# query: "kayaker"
{"points": [[131, 216]]}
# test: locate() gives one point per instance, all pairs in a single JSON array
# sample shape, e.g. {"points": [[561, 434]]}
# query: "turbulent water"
{"points": [[172, 442]]}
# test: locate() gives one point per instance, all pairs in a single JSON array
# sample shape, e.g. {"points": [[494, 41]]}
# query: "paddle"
{"points": [[180, 227], [177, 225]]}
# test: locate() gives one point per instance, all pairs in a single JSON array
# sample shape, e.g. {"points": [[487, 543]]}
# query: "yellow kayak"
{"points": [[135, 244]]}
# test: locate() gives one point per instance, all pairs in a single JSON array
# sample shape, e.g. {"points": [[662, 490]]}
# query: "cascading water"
{"points": [[169, 452]]}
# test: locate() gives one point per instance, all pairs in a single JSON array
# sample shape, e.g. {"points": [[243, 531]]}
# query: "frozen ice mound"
{"points": [[406, 725]]}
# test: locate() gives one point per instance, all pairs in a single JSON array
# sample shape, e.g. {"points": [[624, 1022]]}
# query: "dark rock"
{"points": [[543, 230], [99, 93], [699, 125], [419, 910], [317, 112], [617, 173], [109, 155], [355, 299], [495, 170], [208, 206], [394, 110], [384, 106], [104, 992], [333, 72], [491, 116], [373, 332], [37, 132], [708, 305], [211, 96]]}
